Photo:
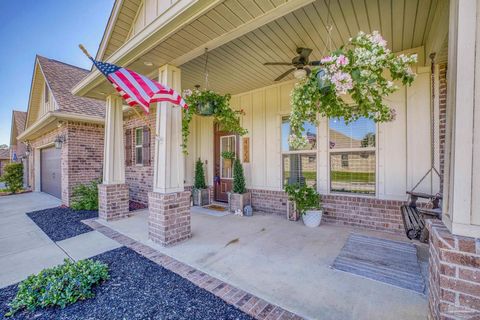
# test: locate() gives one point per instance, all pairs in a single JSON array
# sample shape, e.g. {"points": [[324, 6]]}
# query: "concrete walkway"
{"points": [[286, 264], [25, 249]]}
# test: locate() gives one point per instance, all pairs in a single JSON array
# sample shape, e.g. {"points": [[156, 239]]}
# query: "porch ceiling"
{"points": [[243, 34], [237, 66]]}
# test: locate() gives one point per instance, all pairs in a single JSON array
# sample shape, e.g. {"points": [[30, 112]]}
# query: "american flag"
{"points": [[137, 89]]}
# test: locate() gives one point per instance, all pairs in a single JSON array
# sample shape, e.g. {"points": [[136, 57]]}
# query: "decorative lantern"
{"points": [[59, 140]]}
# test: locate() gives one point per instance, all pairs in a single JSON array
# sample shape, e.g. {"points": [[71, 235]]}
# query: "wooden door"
{"points": [[223, 180]]}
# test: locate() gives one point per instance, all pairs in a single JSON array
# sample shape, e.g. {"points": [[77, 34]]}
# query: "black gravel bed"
{"points": [[137, 289], [62, 223]]}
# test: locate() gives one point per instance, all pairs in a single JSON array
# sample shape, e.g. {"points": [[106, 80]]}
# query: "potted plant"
{"points": [[359, 70], [200, 192], [228, 156], [210, 103], [239, 197], [307, 203]]}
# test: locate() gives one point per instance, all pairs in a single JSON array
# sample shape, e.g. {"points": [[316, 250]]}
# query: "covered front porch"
{"points": [[286, 264]]}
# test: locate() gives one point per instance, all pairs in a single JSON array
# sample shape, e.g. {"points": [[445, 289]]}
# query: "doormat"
{"points": [[387, 261], [215, 207]]}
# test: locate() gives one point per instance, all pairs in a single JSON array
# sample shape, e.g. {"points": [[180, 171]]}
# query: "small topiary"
{"points": [[13, 177], [59, 286], [86, 196], [199, 182], [238, 177]]}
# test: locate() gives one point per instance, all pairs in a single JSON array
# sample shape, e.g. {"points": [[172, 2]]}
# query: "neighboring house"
{"points": [[64, 132], [18, 149], [167, 41], [4, 159]]}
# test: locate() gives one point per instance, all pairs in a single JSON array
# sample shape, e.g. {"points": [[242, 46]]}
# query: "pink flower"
{"points": [[378, 39], [327, 59], [342, 60]]}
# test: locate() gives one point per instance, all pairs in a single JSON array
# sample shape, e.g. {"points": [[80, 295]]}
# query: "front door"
{"points": [[223, 181]]}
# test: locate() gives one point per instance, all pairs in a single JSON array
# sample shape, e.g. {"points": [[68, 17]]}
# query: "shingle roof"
{"points": [[19, 118], [61, 78], [4, 153]]}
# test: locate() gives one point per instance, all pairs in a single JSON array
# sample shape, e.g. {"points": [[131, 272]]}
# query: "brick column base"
{"points": [[169, 217], [113, 201], [454, 274]]}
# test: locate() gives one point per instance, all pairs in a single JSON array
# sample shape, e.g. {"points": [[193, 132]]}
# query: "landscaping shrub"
{"points": [[199, 176], [85, 196], [13, 177], [59, 286], [238, 177]]}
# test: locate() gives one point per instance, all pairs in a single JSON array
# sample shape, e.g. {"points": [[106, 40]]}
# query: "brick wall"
{"points": [[442, 74], [113, 201], [81, 155], [370, 213], [454, 274], [139, 178], [85, 156]]}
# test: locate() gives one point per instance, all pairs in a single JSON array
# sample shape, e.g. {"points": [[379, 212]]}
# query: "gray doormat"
{"points": [[387, 261]]}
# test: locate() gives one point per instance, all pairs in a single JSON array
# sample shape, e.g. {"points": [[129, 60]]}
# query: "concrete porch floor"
{"points": [[285, 263]]}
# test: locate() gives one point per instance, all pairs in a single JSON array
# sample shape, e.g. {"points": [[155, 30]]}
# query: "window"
{"points": [[299, 166], [139, 146], [227, 144], [352, 156]]}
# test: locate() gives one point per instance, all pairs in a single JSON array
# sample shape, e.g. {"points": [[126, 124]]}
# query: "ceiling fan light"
{"points": [[300, 73]]}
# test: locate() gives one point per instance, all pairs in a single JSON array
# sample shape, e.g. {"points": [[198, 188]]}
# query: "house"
{"points": [[18, 149], [4, 159], [363, 177], [63, 132]]}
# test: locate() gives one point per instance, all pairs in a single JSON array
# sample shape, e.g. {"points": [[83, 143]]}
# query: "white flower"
{"points": [[187, 93]]}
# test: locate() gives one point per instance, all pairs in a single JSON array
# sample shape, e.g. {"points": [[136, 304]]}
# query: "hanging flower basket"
{"points": [[357, 70], [205, 108], [210, 103]]}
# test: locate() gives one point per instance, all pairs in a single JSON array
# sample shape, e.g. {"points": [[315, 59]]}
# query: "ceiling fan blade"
{"points": [[283, 75], [277, 64], [305, 52], [314, 63]]}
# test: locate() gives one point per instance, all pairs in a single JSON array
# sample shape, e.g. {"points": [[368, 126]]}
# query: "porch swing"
{"points": [[414, 216]]}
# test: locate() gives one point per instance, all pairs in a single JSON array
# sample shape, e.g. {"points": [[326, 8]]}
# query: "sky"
{"points": [[50, 28]]}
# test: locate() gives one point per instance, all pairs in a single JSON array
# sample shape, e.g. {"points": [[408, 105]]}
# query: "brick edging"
{"points": [[246, 302]]}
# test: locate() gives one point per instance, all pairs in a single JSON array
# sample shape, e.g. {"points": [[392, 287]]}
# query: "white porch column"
{"points": [[462, 174], [113, 193], [169, 203], [169, 159], [454, 290], [114, 150]]}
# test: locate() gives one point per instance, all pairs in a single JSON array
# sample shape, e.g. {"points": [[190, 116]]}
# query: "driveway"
{"points": [[25, 249]]}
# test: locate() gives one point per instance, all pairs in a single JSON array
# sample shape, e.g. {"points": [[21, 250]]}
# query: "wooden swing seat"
{"points": [[414, 217]]}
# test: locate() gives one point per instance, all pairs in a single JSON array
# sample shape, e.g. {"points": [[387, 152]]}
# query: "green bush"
{"points": [[86, 196], [305, 197], [13, 177], [199, 182], [238, 177], [59, 286]]}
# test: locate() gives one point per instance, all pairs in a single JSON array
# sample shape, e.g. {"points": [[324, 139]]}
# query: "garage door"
{"points": [[51, 175]]}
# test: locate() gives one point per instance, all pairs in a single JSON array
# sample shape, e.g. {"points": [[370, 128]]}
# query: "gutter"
{"points": [[51, 116]]}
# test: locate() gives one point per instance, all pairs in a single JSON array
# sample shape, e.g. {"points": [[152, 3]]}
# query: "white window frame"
{"points": [[305, 152], [138, 146], [234, 150], [352, 150]]}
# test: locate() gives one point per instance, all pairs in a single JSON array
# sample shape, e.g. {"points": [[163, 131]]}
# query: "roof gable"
{"points": [[18, 125], [4, 154], [119, 26], [60, 78]]}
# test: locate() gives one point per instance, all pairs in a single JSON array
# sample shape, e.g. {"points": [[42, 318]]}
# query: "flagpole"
{"points": [[84, 50]]}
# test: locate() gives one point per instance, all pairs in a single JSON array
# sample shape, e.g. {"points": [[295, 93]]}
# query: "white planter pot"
{"points": [[312, 218]]}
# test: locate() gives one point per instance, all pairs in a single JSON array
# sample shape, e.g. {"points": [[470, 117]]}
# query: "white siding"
{"points": [[403, 154], [147, 12]]}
